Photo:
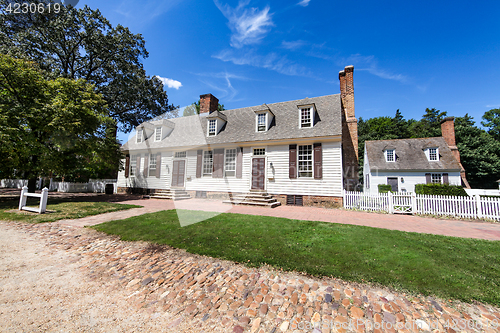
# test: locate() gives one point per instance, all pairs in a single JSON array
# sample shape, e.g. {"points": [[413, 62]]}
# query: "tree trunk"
{"points": [[32, 185]]}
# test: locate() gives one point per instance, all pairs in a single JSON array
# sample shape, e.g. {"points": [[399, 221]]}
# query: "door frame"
{"points": [[172, 173], [251, 172]]}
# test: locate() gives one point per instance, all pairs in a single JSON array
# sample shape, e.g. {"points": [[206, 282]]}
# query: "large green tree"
{"points": [[82, 44], [491, 120], [51, 125]]}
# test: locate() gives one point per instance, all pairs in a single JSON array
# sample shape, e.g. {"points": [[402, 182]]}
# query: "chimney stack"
{"points": [[208, 103], [448, 134], [349, 129]]}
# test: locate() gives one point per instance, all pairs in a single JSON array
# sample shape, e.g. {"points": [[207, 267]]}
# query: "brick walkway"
{"points": [[447, 227], [191, 293]]}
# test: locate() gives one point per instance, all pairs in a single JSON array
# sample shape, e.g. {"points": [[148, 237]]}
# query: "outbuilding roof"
{"points": [[240, 126], [410, 155]]}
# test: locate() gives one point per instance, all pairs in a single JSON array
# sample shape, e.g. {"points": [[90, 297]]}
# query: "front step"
{"points": [[171, 194], [261, 199]]}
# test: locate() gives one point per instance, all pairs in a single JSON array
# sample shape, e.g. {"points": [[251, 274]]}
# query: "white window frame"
{"points": [[260, 150], [158, 133], [209, 127], [180, 154], [436, 178], [310, 110], [430, 154], [367, 181], [393, 154], [307, 162], [152, 162], [133, 165], [230, 164], [139, 135], [259, 115], [208, 162]]}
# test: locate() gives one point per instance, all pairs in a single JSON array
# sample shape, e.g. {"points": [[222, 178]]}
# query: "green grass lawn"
{"points": [[448, 267], [57, 210]]}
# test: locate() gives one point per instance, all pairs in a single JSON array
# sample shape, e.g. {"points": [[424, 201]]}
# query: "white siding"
{"points": [[410, 179], [330, 185], [276, 178]]}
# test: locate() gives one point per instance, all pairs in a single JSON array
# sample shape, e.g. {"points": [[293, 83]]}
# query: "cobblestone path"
{"points": [[174, 291]]}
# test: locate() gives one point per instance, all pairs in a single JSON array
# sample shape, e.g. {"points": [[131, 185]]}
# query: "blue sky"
{"points": [[406, 55]]}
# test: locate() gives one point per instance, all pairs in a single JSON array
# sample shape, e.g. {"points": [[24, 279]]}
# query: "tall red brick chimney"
{"points": [[448, 134], [349, 129], [208, 103]]}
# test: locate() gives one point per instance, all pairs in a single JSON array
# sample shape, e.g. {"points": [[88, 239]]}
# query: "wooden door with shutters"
{"points": [[258, 173], [178, 170]]}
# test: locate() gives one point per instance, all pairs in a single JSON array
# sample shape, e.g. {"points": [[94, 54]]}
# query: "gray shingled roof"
{"points": [[240, 127], [410, 155]]}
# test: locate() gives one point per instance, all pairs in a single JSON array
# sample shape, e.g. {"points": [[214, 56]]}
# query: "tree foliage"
{"points": [[491, 120], [51, 125], [82, 44]]}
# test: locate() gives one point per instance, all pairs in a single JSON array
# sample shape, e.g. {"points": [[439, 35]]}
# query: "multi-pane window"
{"points": [[211, 127], [139, 135], [305, 117], [261, 122], [208, 162], [230, 164], [133, 165], [152, 164], [158, 133], [436, 178], [390, 156], [180, 154], [433, 156], [259, 151], [305, 161]]}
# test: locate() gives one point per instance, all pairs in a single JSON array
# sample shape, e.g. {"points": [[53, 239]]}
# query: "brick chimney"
{"points": [[448, 134], [349, 129], [208, 103]]}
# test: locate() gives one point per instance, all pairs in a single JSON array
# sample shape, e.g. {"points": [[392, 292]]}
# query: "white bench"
{"points": [[43, 200]]}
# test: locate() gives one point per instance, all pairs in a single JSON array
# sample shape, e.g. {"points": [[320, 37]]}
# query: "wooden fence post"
{"points": [[478, 206], [413, 203], [391, 204], [43, 200], [22, 200]]}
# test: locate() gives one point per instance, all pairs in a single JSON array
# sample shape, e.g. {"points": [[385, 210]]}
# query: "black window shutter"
{"points": [[427, 178], [292, 161], [199, 163], [239, 162], [318, 161], [445, 178], [127, 166]]}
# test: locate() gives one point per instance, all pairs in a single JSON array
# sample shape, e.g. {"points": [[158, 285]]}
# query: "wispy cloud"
{"points": [[294, 45], [493, 106], [170, 83], [147, 9], [271, 61], [224, 85], [370, 64], [248, 25], [304, 3]]}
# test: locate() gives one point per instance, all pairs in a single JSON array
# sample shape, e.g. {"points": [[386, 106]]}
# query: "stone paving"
{"points": [[208, 294]]}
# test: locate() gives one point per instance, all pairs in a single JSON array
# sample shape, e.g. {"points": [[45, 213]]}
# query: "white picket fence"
{"points": [[93, 186], [475, 207]]}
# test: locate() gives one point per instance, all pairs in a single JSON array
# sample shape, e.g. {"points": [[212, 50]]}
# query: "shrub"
{"points": [[440, 189], [384, 188]]}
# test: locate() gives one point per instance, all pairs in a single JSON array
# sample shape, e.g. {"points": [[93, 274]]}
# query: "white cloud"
{"points": [[271, 61], [304, 3], [493, 106], [145, 11], [170, 83], [248, 25], [297, 44], [369, 63]]}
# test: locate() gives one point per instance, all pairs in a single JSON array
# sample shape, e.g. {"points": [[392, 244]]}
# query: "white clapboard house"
{"points": [[298, 152], [403, 163]]}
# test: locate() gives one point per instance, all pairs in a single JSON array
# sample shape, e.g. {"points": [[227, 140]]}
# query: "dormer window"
{"points": [[261, 122], [158, 133], [433, 154], [140, 134], [306, 117], [212, 127], [390, 155]]}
